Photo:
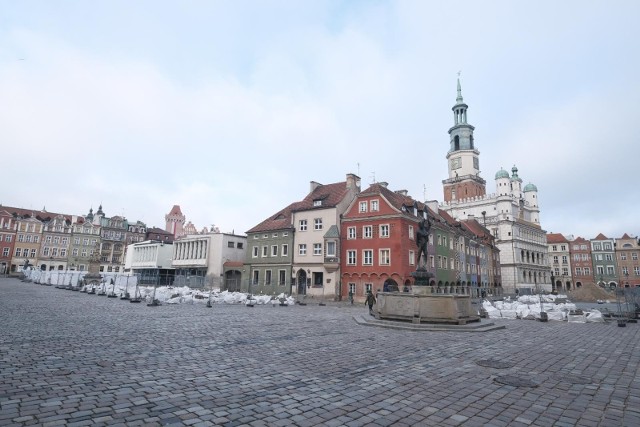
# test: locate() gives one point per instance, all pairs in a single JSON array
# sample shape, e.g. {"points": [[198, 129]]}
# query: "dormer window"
{"points": [[317, 203]]}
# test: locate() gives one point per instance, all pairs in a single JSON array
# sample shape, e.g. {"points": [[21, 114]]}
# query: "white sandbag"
{"points": [[594, 316], [508, 314], [576, 318], [555, 315]]}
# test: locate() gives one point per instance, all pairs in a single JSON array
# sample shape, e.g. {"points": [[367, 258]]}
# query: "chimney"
{"points": [[402, 192], [383, 184], [314, 185], [353, 182], [433, 205]]}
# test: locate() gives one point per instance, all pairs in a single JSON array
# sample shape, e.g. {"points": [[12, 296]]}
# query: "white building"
{"points": [[199, 259], [151, 261], [316, 219], [512, 213]]}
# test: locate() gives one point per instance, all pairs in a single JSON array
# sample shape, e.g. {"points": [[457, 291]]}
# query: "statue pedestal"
{"points": [[425, 307]]}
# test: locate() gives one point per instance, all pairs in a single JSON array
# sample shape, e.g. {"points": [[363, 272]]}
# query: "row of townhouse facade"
{"points": [[603, 261], [52, 241], [340, 240]]}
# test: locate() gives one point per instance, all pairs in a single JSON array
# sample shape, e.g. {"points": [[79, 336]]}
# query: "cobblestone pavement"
{"points": [[68, 358]]}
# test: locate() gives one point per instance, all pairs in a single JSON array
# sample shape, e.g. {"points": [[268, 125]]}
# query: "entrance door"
{"points": [[302, 282]]}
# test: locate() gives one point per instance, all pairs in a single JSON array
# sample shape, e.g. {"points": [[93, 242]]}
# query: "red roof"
{"points": [[601, 237], [556, 238]]}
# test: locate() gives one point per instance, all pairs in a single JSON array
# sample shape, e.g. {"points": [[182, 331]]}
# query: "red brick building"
{"points": [[581, 262], [377, 234]]}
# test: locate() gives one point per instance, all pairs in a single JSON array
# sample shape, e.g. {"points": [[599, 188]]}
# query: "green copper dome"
{"points": [[502, 174], [530, 187]]}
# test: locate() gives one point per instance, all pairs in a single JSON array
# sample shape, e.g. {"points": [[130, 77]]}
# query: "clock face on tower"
{"points": [[456, 163]]}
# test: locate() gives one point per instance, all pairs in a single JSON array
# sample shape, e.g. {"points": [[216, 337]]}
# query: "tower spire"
{"points": [[459, 97]]}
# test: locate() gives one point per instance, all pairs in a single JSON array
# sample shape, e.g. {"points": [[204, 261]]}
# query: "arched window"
{"points": [[456, 143]]}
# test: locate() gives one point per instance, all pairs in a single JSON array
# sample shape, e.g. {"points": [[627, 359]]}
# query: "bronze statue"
{"points": [[422, 239]]}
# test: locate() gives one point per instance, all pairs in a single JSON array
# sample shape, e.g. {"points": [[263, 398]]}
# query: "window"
{"points": [[7, 238], [285, 250], [282, 277], [351, 257], [48, 239], [5, 252], [255, 251], [285, 233], [384, 230], [265, 251], [578, 271], [317, 248], [411, 234], [18, 251], [385, 257], [564, 259], [274, 250], [317, 203], [45, 252], [412, 258], [367, 257], [274, 234], [636, 271], [85, 242], [368, 287], [608, 257], [597, 247], [267, 277], [239, 245], [65, 240], [367, 232], [554, 248], [265, 236], [610, 270], [303, 225], [352, 288], [33, 253], [587, 271], [317, 223], [331, 248], [634, 256], [76, 240], [374, 206], [63, 252], [256, 276], [623, 256], [363, 207], [351, 233], [302, 249], [230, 244], [84, 252]]}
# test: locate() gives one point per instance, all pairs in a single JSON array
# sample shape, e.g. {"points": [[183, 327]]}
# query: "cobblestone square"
{"points": [[73, 359]]}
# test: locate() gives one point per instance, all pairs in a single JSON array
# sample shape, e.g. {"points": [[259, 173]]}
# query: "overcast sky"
{"points": [[230, 109]]}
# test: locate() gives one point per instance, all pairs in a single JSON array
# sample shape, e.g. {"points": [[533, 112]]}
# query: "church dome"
{"points": [[502, 174], [530, 187]]}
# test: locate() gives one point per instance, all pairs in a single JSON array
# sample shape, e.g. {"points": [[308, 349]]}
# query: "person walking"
{"points": [[351, 296], [370, 300]]}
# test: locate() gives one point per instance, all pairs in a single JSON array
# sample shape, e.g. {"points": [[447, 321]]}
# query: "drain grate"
{"points": [[515, 381], [493, 363]]}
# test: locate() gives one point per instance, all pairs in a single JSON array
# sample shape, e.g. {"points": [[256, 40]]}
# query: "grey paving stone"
{"points": [[76, 359]]}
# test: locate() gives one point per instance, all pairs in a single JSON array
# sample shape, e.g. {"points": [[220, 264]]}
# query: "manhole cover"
{"points": [[492, 363], [515, 381], [577, 379]]}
